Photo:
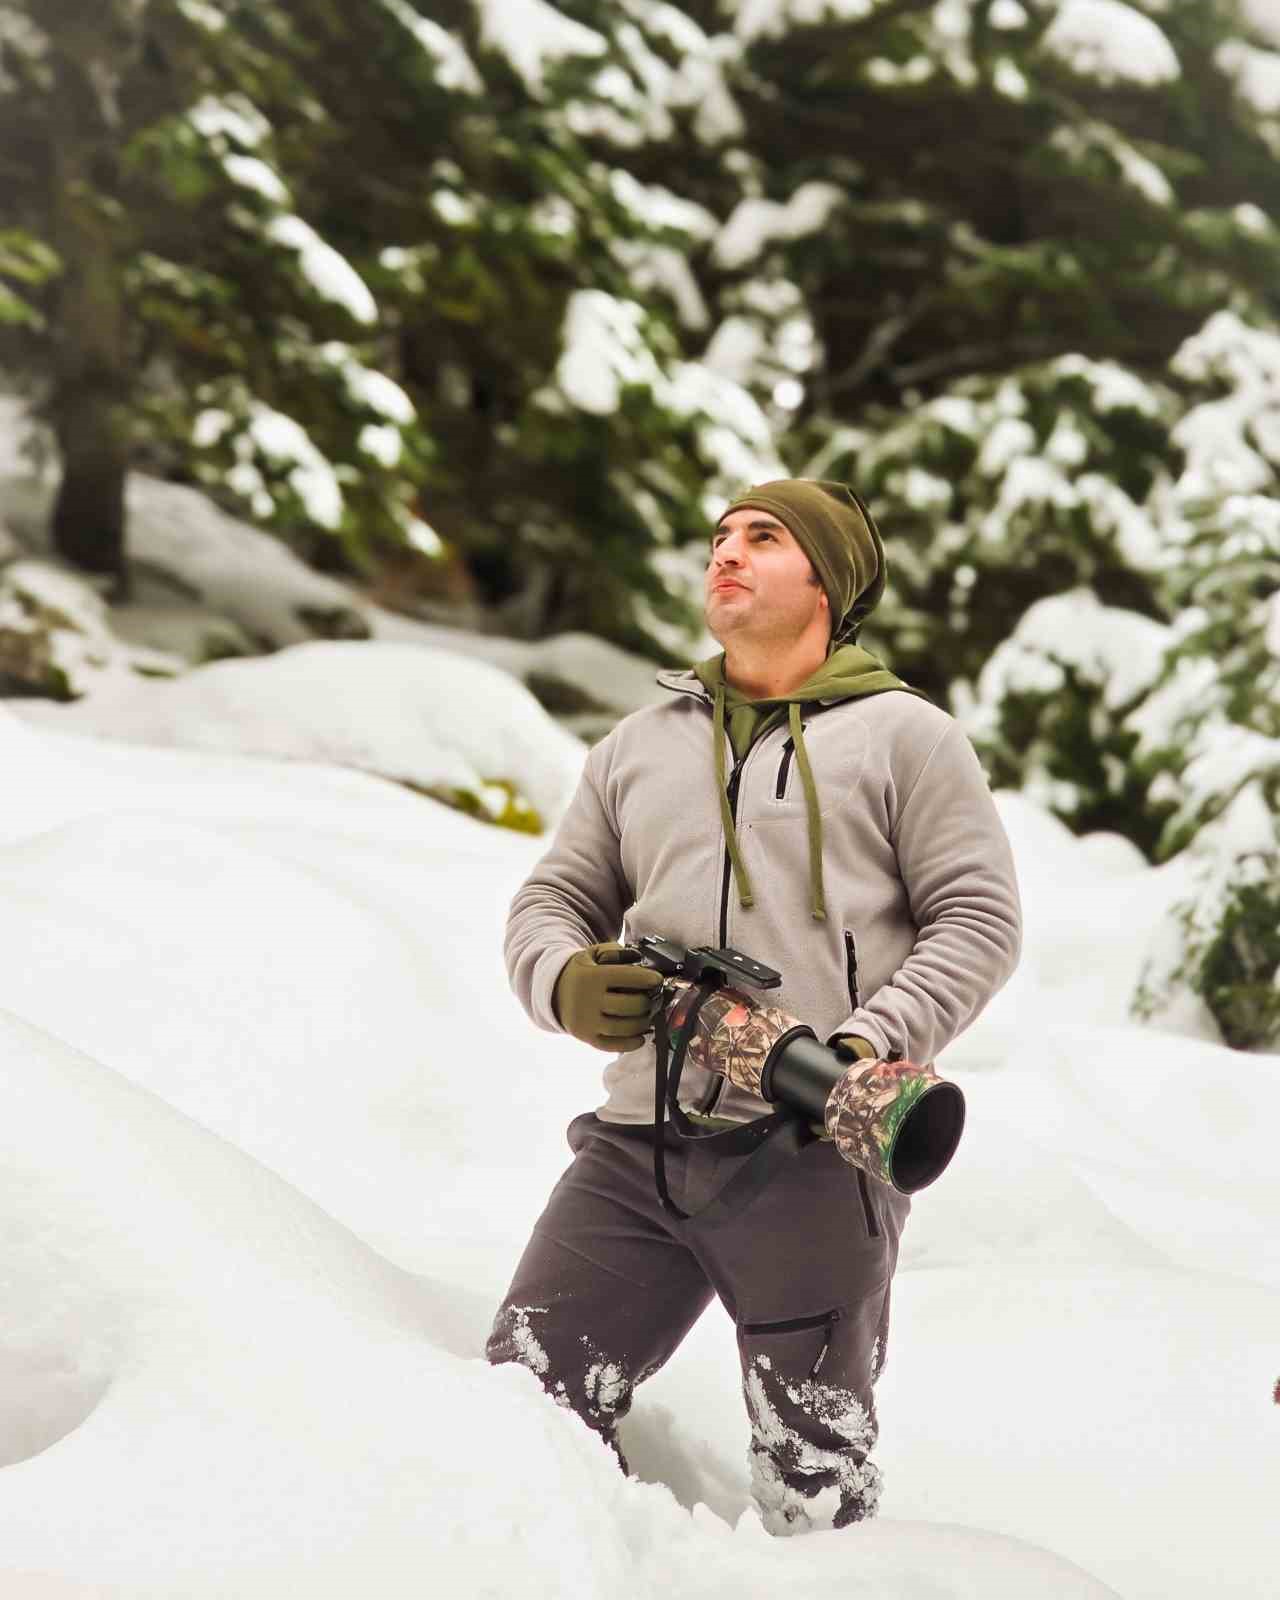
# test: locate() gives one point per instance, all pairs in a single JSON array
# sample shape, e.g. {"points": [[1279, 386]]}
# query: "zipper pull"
{"points": [[832, 1318]]}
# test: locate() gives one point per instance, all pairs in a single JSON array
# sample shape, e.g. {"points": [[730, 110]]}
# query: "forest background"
{"points": [[485, 307]]}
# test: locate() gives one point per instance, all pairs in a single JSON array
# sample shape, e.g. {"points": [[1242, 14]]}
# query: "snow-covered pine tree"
{"points": [[198, 322], [962, 193], [550, 320]]}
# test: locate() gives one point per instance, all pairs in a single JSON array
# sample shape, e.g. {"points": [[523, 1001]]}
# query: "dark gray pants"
{"points": [[610, 1284]]}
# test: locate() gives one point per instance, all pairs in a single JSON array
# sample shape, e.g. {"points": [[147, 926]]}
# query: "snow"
{"points": [[736, 348], [457, 210], [755, 223], [1007, 15], [368, 387], [1263, 18], [203, 15], [605, 350], [1272, 633], [667, 269], [893, 74], [658, 207], [312, 478], [251, 173], [768, 19], [1218, 436], [1112, 42], [1114, 387], [258, 1211], [1077, 144], [55, 624], [1009, 439], [329, 274], [532, 35], [1255, 73], [1118, 651], [454, 67], [20, 36], [1253, 219], [1009, 80], [233, 117], [421, 717], [384, 444]]}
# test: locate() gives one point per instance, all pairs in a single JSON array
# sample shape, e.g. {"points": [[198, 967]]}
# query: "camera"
{"points": [[896, 1120]]}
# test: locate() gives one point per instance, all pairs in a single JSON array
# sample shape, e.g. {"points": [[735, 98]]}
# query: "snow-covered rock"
{"points": [[54, 637], [458, 730], [561, 669], [184, 545]]}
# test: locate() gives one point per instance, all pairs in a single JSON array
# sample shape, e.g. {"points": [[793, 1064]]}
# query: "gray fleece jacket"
{"points": [[923, 922]]}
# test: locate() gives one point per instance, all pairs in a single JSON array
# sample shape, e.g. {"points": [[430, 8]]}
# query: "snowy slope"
{"points": [[276, 1132]]}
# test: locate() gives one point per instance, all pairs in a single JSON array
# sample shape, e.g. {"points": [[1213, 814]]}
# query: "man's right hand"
{"points": [[605, 999]]}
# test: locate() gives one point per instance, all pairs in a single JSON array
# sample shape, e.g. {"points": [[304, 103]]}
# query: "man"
{"points": [[796, 800]]}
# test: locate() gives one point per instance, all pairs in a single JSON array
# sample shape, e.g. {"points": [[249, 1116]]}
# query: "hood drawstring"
{"points": [[740, 876], [746, 896], [811, 810]]}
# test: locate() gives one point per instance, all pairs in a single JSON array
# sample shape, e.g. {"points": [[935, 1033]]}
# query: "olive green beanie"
{"points": [[835, 530]]}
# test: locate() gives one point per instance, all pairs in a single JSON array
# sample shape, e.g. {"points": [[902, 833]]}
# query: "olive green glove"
{"points": [[853, 1047], [603, 998]]}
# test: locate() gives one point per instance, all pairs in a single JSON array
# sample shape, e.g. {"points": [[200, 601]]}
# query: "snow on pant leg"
{"points": [[604, 1292], [805, 1271]]}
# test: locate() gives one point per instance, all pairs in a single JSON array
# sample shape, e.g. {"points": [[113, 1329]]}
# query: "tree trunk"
{"points": [[90, 404], [88, 516]]}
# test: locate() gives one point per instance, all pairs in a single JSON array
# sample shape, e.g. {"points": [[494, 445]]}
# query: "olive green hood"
{"points": [[848, 673]]}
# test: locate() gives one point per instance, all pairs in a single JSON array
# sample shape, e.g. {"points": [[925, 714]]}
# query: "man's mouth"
{"points": [[726, 583]]}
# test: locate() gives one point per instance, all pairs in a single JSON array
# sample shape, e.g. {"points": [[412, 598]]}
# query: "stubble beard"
{"points": [[758, 634]]}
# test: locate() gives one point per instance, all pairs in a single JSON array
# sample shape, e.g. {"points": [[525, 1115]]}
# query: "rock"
{"points": [[55, 640]]}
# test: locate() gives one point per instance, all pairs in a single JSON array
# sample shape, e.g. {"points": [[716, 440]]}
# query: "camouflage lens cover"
{"points": [[732, 1034], [868, 1108]]}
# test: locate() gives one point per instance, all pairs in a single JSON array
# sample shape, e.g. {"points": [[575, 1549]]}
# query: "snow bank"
{"points": [[617, 680], [257, 1211], [424, 718], [187, 554]]}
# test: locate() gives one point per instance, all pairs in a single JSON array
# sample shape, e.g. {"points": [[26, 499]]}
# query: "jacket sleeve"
{"points": [[575, 896], [956, 864]]}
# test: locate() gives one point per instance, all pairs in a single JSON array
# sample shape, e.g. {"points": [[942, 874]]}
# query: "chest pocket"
{"points": [[837, 748]]}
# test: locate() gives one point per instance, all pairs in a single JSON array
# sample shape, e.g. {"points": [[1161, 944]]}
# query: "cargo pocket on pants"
{"points": [[796, 1337]]}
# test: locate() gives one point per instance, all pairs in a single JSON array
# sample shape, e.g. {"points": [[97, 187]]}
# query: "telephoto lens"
{"points": [[899, 1122]]}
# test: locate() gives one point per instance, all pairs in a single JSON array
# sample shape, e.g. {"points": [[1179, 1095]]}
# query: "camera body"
{"points": [[695, 966]]}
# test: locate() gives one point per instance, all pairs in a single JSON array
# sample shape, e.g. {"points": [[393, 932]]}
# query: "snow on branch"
{"points": [[532, 34], [1110, 41], [331, 275], [756, 223], [454, 67]]}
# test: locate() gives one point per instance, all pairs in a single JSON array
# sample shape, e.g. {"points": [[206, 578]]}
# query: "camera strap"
{"points": [[769, 1142]]}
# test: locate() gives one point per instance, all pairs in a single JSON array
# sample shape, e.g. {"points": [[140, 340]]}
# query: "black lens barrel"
{"points": [[801, 1073]]}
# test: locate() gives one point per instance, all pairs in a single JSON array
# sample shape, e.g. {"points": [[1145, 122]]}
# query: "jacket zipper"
{"points": [[825, 1319], [784, 770], [873, 1227], [717, 1088], [851, 967], [732, 789]]}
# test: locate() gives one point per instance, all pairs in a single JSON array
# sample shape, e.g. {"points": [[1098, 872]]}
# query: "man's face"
{"points": [[759, 583]]}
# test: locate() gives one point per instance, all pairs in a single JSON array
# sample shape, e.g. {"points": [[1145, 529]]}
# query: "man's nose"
{"points": [[727, 553]]}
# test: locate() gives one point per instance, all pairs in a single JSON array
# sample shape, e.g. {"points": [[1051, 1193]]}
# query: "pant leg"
{"points": [[805, 1271], [604, 1292]]}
